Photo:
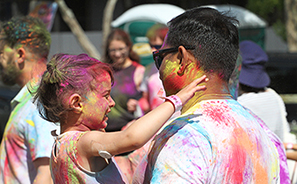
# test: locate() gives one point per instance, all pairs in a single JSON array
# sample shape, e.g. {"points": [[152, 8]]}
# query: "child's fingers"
{"points": [[197, 88], [197, 81], [190, 90], [200, 79]]}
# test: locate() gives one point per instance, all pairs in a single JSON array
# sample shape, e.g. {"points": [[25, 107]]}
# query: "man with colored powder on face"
{"points": [[214, 140], [26, 145]]}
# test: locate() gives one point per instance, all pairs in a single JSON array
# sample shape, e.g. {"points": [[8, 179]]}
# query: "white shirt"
{"points": [[270, 107]]}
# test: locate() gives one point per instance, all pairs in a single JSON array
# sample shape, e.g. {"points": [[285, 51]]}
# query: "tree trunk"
{"points": [[76, 29], [291, 24], [107, 18]]}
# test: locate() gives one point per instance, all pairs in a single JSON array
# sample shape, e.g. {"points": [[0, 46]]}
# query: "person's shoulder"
{"points": [[188, 128], [139, 69], [70, 136], [252, 98], [136, 64], [247, 95], [139, 66], [185, 123], [272, 92]]}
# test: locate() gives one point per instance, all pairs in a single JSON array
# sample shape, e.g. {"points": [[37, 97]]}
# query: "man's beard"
{"points": [[9, 74]]}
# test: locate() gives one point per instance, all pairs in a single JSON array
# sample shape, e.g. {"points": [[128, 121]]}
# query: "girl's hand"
{"points": [[188, 92]]}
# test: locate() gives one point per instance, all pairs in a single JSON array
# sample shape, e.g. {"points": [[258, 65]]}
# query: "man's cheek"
{"points": [[173, 83], [168, 68]]}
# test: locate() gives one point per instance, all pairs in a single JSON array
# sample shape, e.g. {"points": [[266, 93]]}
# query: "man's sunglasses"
{"points": [[160, 54]]}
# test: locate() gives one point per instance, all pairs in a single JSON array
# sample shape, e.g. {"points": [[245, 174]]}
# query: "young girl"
{"points": [[75, 91]]}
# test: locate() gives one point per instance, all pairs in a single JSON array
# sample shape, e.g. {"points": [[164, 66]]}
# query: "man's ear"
{"points": [[21, 55], [75, 103], [183, 56]]}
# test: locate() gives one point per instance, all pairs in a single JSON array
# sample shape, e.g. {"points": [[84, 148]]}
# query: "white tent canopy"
{"points": [[161, 13], [246, 18]]}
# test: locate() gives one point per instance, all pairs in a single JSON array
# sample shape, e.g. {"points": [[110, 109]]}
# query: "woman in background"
{"points": [[128, 74]]}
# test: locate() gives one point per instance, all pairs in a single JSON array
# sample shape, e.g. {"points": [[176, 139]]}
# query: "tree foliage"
{"points": [[272, 11]]}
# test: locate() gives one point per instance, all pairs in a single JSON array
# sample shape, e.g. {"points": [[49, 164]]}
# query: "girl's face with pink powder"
{"points": [[97, 103]]}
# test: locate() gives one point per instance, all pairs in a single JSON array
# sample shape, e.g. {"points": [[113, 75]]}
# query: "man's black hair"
{"points": [[214, 35]]}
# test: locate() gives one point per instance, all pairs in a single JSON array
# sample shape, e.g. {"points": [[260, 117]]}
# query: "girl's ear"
{"points": [[75, 103]]}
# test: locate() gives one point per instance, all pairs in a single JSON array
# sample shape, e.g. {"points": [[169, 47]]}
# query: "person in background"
{"points": [[152, 91], [75, 91], [128, 74], [214, 140], [151, 85], [27, 141], [254, 92], [156, 35]]}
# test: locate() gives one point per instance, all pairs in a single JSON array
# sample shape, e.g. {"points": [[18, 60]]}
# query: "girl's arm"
{"points": [[291, 155], [291, 152], [137, 134]]}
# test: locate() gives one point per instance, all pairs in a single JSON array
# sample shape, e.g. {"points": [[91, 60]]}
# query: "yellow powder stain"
{"points": [[30, 122], [8, 49]]}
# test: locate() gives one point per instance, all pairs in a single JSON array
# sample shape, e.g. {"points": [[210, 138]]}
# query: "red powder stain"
{"points": [[173, 83], [236, 164], [160, 93], [221, 75], [198, 63], [242, 148], [216, 112]]}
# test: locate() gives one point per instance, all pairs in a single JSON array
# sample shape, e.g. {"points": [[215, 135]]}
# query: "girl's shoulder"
{"points": [[73, 135]]}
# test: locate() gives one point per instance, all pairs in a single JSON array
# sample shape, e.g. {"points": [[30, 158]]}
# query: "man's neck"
{"points": [[216, 88], [32, 70]]}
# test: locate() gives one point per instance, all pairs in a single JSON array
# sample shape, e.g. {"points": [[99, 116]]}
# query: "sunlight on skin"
{"points": [[97, 103]]}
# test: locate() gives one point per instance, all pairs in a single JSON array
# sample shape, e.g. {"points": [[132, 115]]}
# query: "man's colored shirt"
{"points": [[27, 137], [215, 141]]}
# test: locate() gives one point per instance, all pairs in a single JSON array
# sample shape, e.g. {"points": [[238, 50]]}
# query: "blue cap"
{"points": [[253, 71]]}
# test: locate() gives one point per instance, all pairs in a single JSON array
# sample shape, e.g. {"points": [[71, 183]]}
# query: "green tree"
{"points": [[272, 11], [291, 24]]}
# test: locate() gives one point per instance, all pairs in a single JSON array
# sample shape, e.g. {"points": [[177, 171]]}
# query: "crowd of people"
{"points": [[201, 113]]}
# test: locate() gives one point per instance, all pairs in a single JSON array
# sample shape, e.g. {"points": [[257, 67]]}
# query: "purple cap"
{"points": [[253, 71]]}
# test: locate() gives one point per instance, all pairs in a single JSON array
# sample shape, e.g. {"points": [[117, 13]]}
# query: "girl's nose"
{"points": [[111, 102]]}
